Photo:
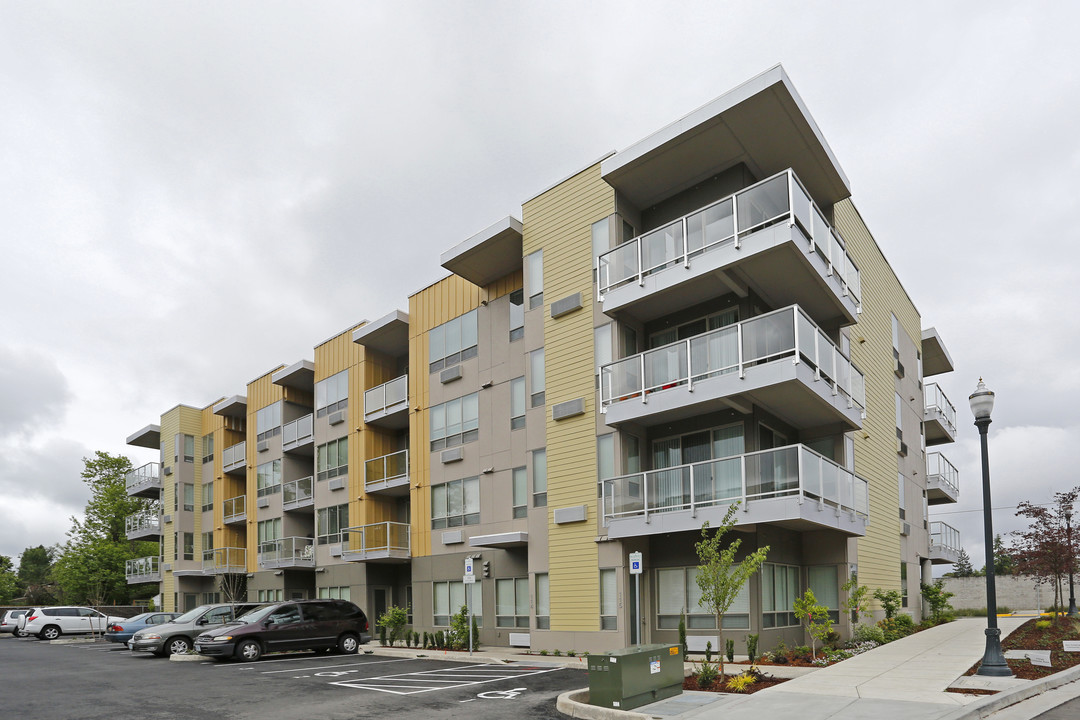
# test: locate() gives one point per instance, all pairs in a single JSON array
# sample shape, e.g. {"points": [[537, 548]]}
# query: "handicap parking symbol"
{"points": [[501, 694]]}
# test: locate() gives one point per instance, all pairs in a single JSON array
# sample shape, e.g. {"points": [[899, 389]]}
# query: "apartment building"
{"points": [[698, 319]]}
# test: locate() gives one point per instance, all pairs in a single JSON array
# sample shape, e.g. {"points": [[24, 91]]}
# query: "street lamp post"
{"points": [[1072, 559], [993, 662]]}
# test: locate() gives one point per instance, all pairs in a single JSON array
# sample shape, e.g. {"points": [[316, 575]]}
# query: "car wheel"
{"points": [[178, 646], [249, 650], [348, 644], [49, 632], [21, 633]]}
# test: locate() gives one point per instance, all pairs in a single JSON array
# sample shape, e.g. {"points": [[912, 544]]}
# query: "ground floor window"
{"points": [[449, 597], [543, 602], [512, 602], [823, 580], [270, 595], [678, 592], [779, 590], [609, 591], [211, 598], [338, 592]]}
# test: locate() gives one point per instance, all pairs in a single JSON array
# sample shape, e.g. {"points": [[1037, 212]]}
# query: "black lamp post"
{"points": [[993, 662], [1072, 559]]}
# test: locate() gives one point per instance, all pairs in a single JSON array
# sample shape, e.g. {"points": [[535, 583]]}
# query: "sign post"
{"points": [[469, 580], [635, 570]]}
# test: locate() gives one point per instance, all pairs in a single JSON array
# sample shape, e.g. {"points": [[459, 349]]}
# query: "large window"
{"points": [[521, 492], [543, 602], [903, 585], [329, 523], [539, 478], [207, 495], [455, 422], [900, 482], [269, 531], [678, 592], [452, 342], [268, 478], [534, 278], [609, 593], [268, 421], [184, 446], [455, 503], [536, 372], [332, 394], [208, 447], [189, 497], [823, 581], [779, 590], [208, 541], [332, 459], [449, 598], [189, 546], [512, 602], [339, 592], [517, 403], [517, 315]]}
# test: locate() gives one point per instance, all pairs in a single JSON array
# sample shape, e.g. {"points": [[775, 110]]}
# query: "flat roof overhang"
{"points": [[762, 123], [299, 375], [490, 254], [500, 540], [148, 437], [936, 358], [235, 406], [389, 334]]}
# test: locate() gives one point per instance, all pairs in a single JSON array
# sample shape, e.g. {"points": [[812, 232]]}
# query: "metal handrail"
{"points": [[388, 395], [146, 475], [943, 535], [234, 507], [287, 552], [937, 466], [937, 401], [375, 537], [300, 430], [225, 560], [295, 492], [234, 454], [387, 467]]}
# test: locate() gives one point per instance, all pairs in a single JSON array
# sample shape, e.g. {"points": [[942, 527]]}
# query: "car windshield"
{"points": [[191, 615], [253, 616]]}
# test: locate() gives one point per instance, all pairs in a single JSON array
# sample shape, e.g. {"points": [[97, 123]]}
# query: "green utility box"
{"points": [[635, 676]]}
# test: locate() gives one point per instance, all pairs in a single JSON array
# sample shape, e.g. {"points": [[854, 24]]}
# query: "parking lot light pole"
{"points": [[993, 662]]}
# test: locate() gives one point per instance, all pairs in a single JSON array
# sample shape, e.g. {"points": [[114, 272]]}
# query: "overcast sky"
{"points": [[195, 192]]}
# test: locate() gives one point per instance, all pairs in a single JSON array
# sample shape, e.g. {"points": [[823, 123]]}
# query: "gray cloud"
{"points": [[33, 391]]}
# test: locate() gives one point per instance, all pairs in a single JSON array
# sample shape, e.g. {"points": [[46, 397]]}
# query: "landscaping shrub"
{"points": [[890, 601], [937, 598], [382, 635], [392, 621], [867, 633], [730, 650], [706, 675], [682, 635], [897, 627], [751, 647], [1043, 624], [740, 682]]}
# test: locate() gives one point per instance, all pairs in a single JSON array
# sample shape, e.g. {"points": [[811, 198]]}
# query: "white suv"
{"points": [[49, 623]]}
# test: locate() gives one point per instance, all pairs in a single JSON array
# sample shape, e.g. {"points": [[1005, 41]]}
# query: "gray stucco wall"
{"points": [[1016, 592]]}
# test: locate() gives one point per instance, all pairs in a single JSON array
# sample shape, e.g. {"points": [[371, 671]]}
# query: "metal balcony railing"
{"points": [[297, 493], [794, 470], [144, 569], [234, 457], [287, 552], [940, 470], [944, 538], [787, 335], [143, 523], [225, 560], [143, 478], [387, 467], [937, 402], [235, 508], [780, 198], [385, 539], [388, 397], [298, 432]]}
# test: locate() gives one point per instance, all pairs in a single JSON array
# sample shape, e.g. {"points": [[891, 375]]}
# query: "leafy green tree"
{"points": [[719, 577], [9, 581], [816, 616], [858, 598], [393, 621], [35, 566], [937, 598], [91, 564], [890, 601]]}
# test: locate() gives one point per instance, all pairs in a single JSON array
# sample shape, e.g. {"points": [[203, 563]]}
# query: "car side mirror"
{"points": [[202, 621]]}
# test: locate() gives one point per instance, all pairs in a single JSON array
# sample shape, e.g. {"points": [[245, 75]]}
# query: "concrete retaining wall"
{"points": [[1016, 592]]}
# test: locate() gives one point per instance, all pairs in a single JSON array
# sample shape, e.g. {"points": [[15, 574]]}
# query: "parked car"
{"points": [[294, 625], [174, 637], [49, 623], [10, 622], [121, 632]]}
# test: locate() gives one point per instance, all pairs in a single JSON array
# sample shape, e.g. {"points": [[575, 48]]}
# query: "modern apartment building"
{"points": [[698, 319]]}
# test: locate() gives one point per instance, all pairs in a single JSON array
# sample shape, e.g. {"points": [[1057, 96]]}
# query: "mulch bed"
{"points": [[691, 683], [1030, 637]]}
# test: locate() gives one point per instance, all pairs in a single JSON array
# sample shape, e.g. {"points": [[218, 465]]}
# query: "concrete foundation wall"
{"points": [[1016, 592]]}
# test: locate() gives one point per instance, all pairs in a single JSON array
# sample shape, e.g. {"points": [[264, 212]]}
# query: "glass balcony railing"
{"points": [[287, 552], [144, 569], [298, 432], [298, 493], [791, 471], [144, 523], [234, 457], [942, 472], [944, 538], [234, 509], [143, 478], [225, 560], [375, 541], [388, 397], [781, 198], [388, 467], [940, 406], [782, 335]]}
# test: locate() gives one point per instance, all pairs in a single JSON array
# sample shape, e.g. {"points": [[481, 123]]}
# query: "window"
{"points": [[208, 448], [779, 590], [517, 315], [601, 241], [695, 327], [268, 478], [268, 421], [455, 503], [543, 602], [609, 620], [536, 371], [266, 596], [339, 592], [332, 394], [602, 347], [189, 546], [189, 497], [899, 417], [605, 456], [455, 422], [208, 598], [269, 531], [521, 492], [176, 496], [900, 488], [332, 459], [539, 473], [895, 336], [452, 342], [534, 278], [826, 588], [517, 403], [512, 602], [408, 604], [207, 496], [903, 585], [184, 445], [208, 541], [449, 598], [330, 522], [678, 592]]}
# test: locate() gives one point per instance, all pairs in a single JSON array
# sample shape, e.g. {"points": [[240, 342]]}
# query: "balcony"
{"points": [[298, 494], [144, 481], [234, 510], [288, 552], [388, 404], [378, 542], [299, 435], [388, 475], [942, 480], [793, 487], [224, 561], [143, 526], [770, 237], [234, 459], [781, 361], [944, 543], [142, 570], [939, 416]]}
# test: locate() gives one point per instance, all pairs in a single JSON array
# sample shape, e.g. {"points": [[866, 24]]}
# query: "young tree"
{"points": [[858, 598], [719, 577], [1004, 559], [816, 617], [1043, 548], [35, 566], [962, 566]]}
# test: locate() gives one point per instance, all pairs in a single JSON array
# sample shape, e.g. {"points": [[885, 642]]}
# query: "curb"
{"points": [[981, 709], [73, 641], [187, 658], [575, 704]]}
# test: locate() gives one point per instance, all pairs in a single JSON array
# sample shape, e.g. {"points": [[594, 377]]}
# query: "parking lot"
{"points": [[103, 680]]}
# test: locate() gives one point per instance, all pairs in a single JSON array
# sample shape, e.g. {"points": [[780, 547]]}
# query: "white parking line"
{"points": [[317, 667], [465, 677]]}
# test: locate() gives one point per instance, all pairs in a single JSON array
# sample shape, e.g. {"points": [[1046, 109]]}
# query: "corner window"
{"points": [[452, 342], [208, 448], [517, 315], [539, 473], [534, 278], [823, 581], [779, 590], [455, 503], [268, 478], [332, 459], [517, 403], [207, 496], [536, 372], [189, 546], [189, 497], [332, 394], [268, 421], [329, 523], [520, 492]]}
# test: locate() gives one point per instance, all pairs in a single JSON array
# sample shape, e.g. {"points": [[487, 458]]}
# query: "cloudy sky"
{"points": [[194, 192]]}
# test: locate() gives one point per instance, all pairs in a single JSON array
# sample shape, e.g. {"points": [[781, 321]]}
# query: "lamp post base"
{"points": [[993, 662]]}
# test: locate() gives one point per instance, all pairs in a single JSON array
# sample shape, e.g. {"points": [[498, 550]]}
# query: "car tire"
{"points": [[249, 651], [49, 632], [21, 633], [348, 644], [178, 645]]}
